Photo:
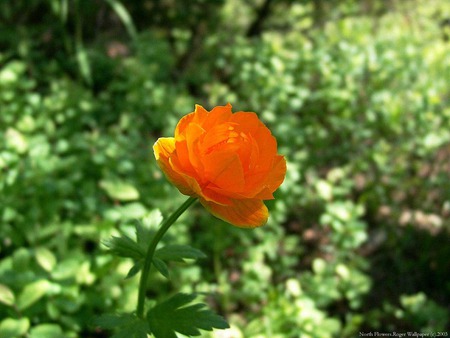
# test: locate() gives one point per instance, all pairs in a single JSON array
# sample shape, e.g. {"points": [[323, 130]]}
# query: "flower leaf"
{"points": [[110, 321], [124, 246], [127, 325], [176, 315], [135, 269], [178, 253], [161, 267], [143, 235], [145, 229]]}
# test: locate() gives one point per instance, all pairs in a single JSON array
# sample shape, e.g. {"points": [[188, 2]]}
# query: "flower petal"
{"points": [[248, 122], [204, 118], [216, 137], [164, 149], [193, 183], [216, 116], [193, 133], [211, 195], [224, 169], [189, 185], [270, 180], [277, 173], [197, 116], [247, 213], [267, 145], [183, 157]]}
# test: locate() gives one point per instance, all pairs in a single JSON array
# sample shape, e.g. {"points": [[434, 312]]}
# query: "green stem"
{"points": [[165, 225]]}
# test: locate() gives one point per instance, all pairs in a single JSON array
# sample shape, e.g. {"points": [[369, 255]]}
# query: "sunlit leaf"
{"points": [[12, 328], [6, 295], [47, 331], [152, 220], [83, 63], [32, 293], [119, 190], [45, 258], [125, 16], [15, 140]]}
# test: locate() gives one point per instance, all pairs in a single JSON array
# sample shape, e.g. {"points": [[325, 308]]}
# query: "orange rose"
{"points": [[229, 161]]}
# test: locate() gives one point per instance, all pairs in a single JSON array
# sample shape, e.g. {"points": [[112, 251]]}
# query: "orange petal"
{"points": [[248, 213], [200, 113], [164, 149], [277, 173], [267, 145], [183, 157], [216, 116], [190, 185], [254, 182], [224, 169], [182, 124], [192, 181], [217, 197], [195, 117], [248, 122], [262, 185], [205, 119], [216, 137], [265, 194], [194, 132], [254, 154], [227, 193]]}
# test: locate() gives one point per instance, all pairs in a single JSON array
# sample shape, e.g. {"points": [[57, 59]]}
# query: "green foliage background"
{"points": [[357, 94]]}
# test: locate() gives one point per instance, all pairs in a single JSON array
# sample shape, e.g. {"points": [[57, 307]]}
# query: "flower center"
{"points": [[234, 136]]}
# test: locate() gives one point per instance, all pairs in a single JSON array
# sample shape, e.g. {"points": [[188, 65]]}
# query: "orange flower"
{"points": [[229, 161]]}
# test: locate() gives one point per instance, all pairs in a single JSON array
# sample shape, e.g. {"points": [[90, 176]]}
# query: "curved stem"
{"points": [[165, 225]]}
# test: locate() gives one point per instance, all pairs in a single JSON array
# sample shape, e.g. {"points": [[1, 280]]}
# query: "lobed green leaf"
{"points": [[176, 315], [126, 325], [178, 253], [125, 247], [161, 267]]}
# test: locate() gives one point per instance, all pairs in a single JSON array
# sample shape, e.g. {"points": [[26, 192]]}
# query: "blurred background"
{"points": [[357, 94]]}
